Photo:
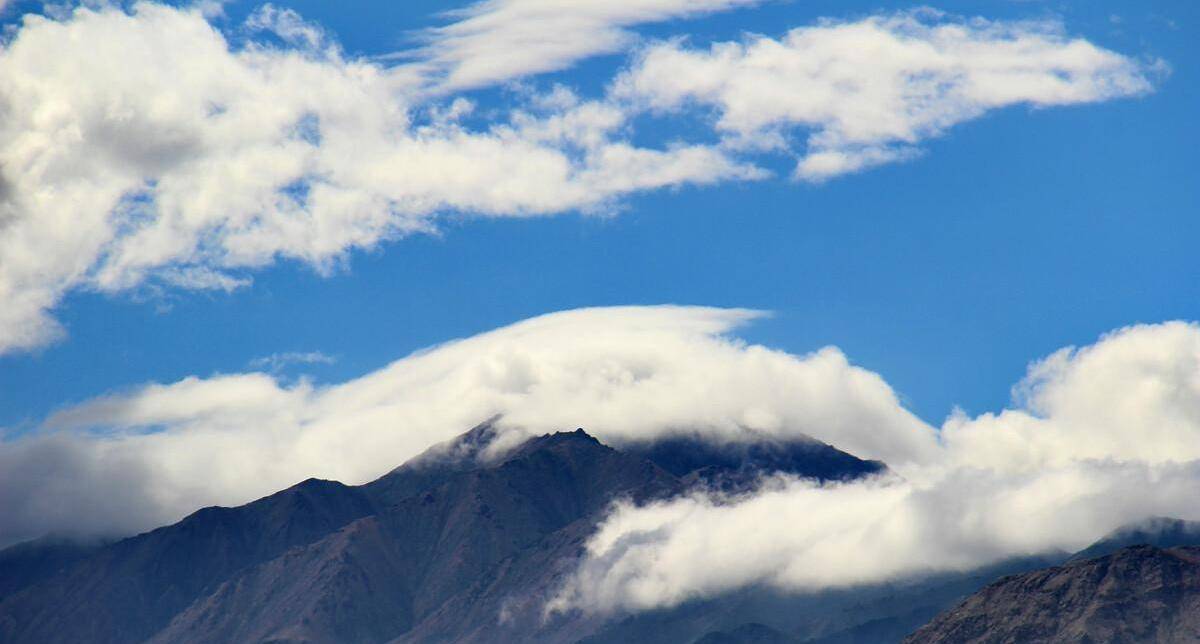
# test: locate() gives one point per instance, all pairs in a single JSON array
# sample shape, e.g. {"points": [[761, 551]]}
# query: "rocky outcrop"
{"points": [[1137, 595]]}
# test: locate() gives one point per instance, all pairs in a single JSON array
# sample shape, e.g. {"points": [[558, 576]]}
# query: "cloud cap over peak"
{"points": [[625, 373]]}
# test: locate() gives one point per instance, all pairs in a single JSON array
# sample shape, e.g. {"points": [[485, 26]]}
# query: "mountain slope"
{"points": [[1137, 594], [129, 590], [34, 561], [1162, 532]]}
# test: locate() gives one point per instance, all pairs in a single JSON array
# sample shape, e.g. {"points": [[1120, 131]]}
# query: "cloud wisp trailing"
{"points": [[499, 40], [1100, 437], [278, 361], [171, 153]]}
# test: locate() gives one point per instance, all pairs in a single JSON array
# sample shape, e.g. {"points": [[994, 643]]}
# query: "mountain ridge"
{"points": [[1140, 593]]}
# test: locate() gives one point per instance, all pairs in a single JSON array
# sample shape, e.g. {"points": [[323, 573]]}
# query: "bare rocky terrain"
{"points": [[1137, 595]]}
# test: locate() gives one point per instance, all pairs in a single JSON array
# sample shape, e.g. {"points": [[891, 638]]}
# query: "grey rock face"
{"points": [[1137, 595]]}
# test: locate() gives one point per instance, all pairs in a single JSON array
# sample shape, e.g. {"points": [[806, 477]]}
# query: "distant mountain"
{"points": [[753, 633], [1158, 531], [456, 545], [30, 562], [1136, 594]]}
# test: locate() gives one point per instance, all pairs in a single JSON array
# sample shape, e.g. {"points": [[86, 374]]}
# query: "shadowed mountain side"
{"points": [[445, 553], [737, 467], [129, 590], [30, 562], [313, 593], [1135, 595], [748, 634]]}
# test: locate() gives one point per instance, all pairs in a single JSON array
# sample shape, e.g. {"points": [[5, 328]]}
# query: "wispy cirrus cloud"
{"points": [[493, 41], [278, 361]]}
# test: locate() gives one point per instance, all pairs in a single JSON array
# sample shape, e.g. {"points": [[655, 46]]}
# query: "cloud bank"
{"points": [[1100, 437], [149, 147], [1097, 437]]}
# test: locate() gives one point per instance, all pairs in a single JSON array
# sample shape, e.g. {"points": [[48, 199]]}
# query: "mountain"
{"points": [[752, 633], [455, 545], [129, 590], [1137, 594], [30, 562], [1163, 532], [737, 467]]}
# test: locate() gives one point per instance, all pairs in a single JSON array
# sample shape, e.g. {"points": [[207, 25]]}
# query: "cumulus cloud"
{"points": [[497, 40], [145, 145], [1099, 437], [868, 92], [141, 458]]}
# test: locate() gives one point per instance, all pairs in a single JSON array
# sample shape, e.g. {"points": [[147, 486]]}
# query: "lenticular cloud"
{"points": [[134, 460]]}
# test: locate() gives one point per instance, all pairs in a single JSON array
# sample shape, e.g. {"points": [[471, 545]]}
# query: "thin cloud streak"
{"points": [[494, 41]]}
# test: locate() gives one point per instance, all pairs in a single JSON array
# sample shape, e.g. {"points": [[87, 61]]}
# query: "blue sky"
{"points": [[1013, 234]]}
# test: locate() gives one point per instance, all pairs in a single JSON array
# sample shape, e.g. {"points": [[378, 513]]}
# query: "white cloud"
{"points": [[144, 146], [1102, 436], [800, 537], [289, 26], [498, 40], [137, 459], [868, 92], [1097, 437]]}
